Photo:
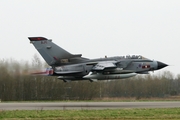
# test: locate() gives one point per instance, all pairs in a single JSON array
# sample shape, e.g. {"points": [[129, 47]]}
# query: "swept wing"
{"points": [[104, 65]]}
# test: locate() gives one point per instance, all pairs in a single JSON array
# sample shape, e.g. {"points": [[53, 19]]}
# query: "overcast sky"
{"points": [[94, 28]]}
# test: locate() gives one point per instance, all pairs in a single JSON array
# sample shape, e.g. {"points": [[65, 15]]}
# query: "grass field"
{"points": [[108, 114]]}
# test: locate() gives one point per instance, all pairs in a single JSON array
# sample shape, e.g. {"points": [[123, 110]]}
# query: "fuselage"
{"points": [[69, 66], [126, 67]]}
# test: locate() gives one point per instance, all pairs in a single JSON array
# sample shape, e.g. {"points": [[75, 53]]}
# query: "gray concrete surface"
{"points": [[85, 105]]}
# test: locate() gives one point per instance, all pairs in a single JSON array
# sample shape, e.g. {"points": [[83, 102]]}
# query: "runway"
{"points": [[85, 105]]}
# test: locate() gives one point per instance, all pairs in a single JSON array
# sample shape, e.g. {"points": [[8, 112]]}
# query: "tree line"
{"points": [[17, 85]]}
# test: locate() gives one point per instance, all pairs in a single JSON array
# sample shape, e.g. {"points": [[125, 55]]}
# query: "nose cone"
{"points": [[161, 65]]}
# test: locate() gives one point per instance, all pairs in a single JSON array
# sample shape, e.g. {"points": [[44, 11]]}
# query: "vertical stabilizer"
{"points": [[52, 53]]}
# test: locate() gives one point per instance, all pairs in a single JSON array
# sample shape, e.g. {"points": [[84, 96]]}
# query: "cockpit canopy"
{"points": [[133, 57]]}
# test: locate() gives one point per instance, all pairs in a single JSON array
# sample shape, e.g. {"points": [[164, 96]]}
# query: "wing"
{"points": [[100, 66]]}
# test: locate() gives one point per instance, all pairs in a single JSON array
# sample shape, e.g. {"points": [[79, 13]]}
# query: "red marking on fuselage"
{"points": [[146, 66]]}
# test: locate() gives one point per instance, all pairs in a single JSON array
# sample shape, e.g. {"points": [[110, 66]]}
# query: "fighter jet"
{"points": [[73, 67]]}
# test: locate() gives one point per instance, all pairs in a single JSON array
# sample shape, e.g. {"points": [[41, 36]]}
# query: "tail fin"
{"points": [[52, 53]]}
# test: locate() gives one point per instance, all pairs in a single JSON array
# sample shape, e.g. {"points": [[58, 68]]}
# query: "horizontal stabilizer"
{"points": [[67, 72]]}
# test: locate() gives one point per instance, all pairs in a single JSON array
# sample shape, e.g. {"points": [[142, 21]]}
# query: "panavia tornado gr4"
{"points": [[72, 67]]}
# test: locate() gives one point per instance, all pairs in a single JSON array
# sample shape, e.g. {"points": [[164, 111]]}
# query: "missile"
{"points": [[100, 76], [65, 77]]}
